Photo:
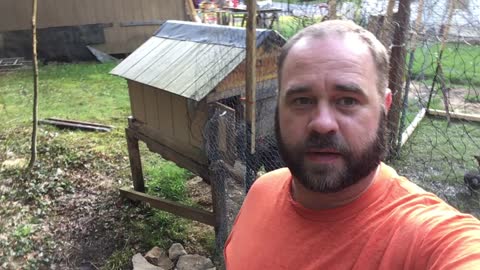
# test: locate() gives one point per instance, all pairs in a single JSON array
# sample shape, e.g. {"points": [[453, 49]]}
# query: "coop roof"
{"points": [[189, 59]]}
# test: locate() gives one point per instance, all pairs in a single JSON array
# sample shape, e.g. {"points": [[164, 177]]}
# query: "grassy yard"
{"points": [[459, 62], [289, 25], [67, 212], [436, 157]]}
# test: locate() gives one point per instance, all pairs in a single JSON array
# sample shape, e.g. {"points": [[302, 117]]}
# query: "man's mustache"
{"points": [[330, 141]]}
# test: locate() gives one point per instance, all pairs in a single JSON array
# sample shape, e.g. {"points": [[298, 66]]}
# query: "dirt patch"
{"points": [[457, 102], [200, 193], [88, 222]]}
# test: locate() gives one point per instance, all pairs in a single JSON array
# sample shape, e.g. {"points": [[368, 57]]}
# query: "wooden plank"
{"points": [[266, 69], [185, 149], [148, 61], [181, 119], [219, 203], [199, 121], [142, 22], [175, 208], [169, 71], [165, 112], [120, 10], [190, 10], [137, 56], [135, 160], [71, 15], [23, 15], [8, 17], [216, 96], [75, 124], [226, 132], [147, 16], [189, 68], [137, 100], [80, 122], [127, 33], [409, 131], [173, 155], [151, 107], [108, 14], [160, 65], [135, 35], [462, 116], [224, 61]]}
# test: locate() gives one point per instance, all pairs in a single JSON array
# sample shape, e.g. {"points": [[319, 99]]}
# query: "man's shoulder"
{"points": [[273, 179], [271, 183], [400, 186], [420, 207]]}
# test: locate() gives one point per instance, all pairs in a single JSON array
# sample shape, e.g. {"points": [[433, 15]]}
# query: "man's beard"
{"points": [[327, 178]]}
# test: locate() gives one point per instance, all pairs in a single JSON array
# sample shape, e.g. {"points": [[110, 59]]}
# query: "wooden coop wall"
{"points": [[128, 23], [172, 120], [266, 79], [266, 69]]}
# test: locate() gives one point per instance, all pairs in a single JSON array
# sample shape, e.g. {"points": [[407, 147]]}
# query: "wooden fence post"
{"points": [[135, 161]]}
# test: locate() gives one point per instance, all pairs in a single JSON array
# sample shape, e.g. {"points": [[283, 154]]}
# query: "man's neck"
{"points": [[317, 200]]}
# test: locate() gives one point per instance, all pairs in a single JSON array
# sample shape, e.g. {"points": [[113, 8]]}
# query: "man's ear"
{"points": [[388, 100]]}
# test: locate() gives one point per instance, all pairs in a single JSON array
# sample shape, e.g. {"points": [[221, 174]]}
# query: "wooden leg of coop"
{"points": [[217, 182], [135, 161]]}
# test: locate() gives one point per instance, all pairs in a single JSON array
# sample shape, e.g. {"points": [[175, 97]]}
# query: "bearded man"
{"points": [[337, 206]]}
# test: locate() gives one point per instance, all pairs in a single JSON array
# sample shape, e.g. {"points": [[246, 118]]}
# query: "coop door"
{"points": [[226, 132]]}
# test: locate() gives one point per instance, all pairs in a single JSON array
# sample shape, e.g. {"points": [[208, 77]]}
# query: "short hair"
{"points": [[341, 28]]}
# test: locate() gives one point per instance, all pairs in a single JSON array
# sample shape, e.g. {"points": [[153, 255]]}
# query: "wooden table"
{"points": [[263, 15]]}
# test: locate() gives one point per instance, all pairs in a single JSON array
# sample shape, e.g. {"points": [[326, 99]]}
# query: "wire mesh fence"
{"points": [[438, 76], [441, 52]]}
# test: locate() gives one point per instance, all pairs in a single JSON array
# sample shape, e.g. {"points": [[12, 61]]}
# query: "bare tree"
{"points": [[33, 150]]}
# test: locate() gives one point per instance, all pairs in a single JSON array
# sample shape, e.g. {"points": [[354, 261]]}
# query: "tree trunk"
{"points": [[396, 74], [33, 150], [332, 9], [387, 25]]}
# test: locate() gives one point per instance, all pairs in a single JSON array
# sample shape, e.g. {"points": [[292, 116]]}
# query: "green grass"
{"points": [[120, 259], [472, 97], [436, 156], [459, 62], [165, 179], [83, 92], [289, 25]]}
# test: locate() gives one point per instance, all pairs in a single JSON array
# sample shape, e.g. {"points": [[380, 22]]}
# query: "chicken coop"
{"points": [[187, 86]]}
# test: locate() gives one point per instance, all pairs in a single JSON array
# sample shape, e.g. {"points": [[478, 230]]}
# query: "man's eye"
{"points": [[347, 101], [303, 101]]}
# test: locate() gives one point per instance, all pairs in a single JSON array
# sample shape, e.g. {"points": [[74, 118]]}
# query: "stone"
{"points": [[140, 263], [13, 164], [158, 257], [194, 262], [175, 251]]}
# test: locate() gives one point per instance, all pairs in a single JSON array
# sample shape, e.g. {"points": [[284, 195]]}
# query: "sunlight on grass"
{"points": [[84, 92]]}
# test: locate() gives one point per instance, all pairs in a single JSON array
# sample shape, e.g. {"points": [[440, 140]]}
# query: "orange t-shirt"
{"points": [[393, 225]]}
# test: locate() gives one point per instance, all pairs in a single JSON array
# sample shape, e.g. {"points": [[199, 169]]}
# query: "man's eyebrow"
{"points": [[350, 87], [295, 90]]}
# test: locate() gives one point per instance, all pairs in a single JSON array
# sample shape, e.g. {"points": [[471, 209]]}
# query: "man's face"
{"points": [[330, 120]]}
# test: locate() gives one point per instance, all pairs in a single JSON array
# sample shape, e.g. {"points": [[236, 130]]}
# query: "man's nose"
{"points": [[323, 120]]}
